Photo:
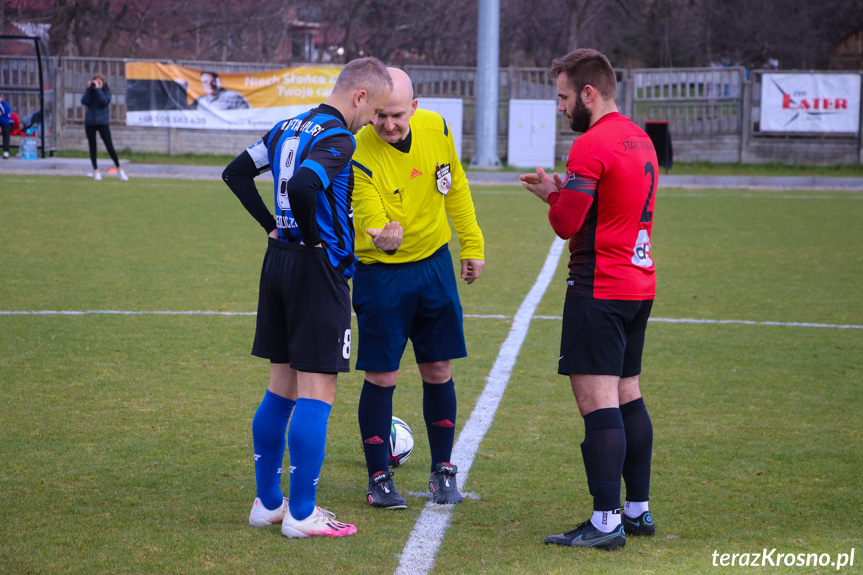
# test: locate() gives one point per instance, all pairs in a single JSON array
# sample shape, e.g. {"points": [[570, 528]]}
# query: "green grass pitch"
{"points": [[125, 439]]}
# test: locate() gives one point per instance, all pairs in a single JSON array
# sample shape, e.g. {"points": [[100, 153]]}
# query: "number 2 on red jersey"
{"points": [[641, 251]]}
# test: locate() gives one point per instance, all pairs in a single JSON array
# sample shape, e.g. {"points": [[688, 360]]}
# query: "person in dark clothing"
{"points": [[6, 124], [97, 119]]}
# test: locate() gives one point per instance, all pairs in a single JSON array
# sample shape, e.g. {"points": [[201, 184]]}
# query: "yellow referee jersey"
{"points": [[417, 189]]}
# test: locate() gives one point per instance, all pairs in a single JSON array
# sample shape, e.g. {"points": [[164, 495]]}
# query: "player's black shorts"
{"points": [[304, 310], [602, 337]]}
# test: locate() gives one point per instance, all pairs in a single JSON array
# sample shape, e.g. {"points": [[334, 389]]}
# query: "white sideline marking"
{"points": [[418, 555], [474, 316], [749, 322], [706, 321]]}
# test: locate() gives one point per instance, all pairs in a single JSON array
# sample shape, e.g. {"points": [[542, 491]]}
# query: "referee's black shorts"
{"points": [[304, 310], [602, 337]]}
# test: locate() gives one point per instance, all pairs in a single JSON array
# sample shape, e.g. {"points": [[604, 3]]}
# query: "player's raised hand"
{"points": [[540, 184], [471, 270], [388, 239]]}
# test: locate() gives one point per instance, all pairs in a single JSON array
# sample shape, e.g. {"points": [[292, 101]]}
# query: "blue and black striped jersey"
{"points": [[320, 141]]}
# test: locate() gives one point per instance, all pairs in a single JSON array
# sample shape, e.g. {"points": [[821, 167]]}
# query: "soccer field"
{"points": [[128, 391]]}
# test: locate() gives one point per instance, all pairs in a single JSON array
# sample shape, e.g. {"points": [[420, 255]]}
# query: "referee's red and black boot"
{"points": [[641, 525], [382, 492], [443, 485]]}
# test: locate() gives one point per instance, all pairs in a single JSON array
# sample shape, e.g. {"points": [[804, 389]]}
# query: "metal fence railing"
{"points": [[692, 100], [696, 102]]}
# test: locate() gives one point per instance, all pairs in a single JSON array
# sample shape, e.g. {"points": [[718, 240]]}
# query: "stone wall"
{"points": [[172, 141]]}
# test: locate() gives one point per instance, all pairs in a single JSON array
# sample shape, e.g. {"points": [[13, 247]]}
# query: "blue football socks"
{"points": [[268, 436], [439, 412], [307, 438], [375, 414]]}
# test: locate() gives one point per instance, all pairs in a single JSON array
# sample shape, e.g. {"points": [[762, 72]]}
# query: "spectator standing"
{"points": [[97, 119]]}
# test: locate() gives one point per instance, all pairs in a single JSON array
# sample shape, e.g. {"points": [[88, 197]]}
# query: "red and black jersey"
{"points": [[614, 163]]}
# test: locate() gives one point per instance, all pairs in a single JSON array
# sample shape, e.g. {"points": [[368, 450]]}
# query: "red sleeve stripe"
{"points": [[581, 184]]}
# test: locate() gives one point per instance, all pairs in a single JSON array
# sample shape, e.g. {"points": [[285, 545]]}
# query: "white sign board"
{"points": [[452, 110], [532, 133], [824, 103]]}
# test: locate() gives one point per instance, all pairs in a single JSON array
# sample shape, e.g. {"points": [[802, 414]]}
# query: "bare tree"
{"points": [[583, 16], [797, 33]]}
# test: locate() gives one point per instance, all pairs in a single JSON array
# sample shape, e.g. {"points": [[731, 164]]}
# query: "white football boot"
{"points": [[260, 516], [321, 523]]}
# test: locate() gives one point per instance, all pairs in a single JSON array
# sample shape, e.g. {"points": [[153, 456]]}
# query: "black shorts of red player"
{"points": [[602, 337]]}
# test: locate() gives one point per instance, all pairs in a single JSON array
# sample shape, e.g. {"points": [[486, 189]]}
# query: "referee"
{"points": [[408, 179], [304, 313]]}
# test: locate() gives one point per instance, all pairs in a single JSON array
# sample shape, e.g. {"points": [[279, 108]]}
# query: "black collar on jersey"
{"points": [[327, 109], [403, 146]]}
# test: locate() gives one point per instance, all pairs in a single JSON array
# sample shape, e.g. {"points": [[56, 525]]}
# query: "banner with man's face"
{"points": [[171, 96]]}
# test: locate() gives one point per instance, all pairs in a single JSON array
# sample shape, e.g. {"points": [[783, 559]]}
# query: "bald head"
{"points": [[393, 124], [403, 88]]}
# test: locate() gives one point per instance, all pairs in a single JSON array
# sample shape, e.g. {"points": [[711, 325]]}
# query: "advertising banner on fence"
{"points": [[170, 96], [826, 103]]}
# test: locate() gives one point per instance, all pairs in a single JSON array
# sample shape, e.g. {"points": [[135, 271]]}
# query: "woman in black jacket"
{"points": [[97, 119]]}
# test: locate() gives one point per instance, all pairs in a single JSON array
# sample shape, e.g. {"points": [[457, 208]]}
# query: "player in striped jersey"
{"points": [[605, 208], [304, 313]]}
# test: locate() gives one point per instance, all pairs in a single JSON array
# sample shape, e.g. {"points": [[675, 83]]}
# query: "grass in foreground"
{"points": [[127, 445]]}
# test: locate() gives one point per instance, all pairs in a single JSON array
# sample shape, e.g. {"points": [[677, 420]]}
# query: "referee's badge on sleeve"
{"points": [[443, 177]]}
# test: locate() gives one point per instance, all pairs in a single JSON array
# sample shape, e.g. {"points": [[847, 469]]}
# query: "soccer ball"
{"points": [[401, 442]]}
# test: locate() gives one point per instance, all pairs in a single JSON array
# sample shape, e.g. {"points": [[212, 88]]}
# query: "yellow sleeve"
{"points": [[368, 207], [459, 206], [367, 204]]}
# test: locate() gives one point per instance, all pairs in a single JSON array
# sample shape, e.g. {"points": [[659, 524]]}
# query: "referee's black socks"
{"points": [[375, 414], [439, 412]]}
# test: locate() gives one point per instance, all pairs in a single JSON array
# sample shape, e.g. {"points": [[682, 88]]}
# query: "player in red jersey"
{"points": [[604, 208]]}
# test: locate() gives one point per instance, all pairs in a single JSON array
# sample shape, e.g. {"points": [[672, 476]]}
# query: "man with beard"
{"points": [[605, 209]]}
